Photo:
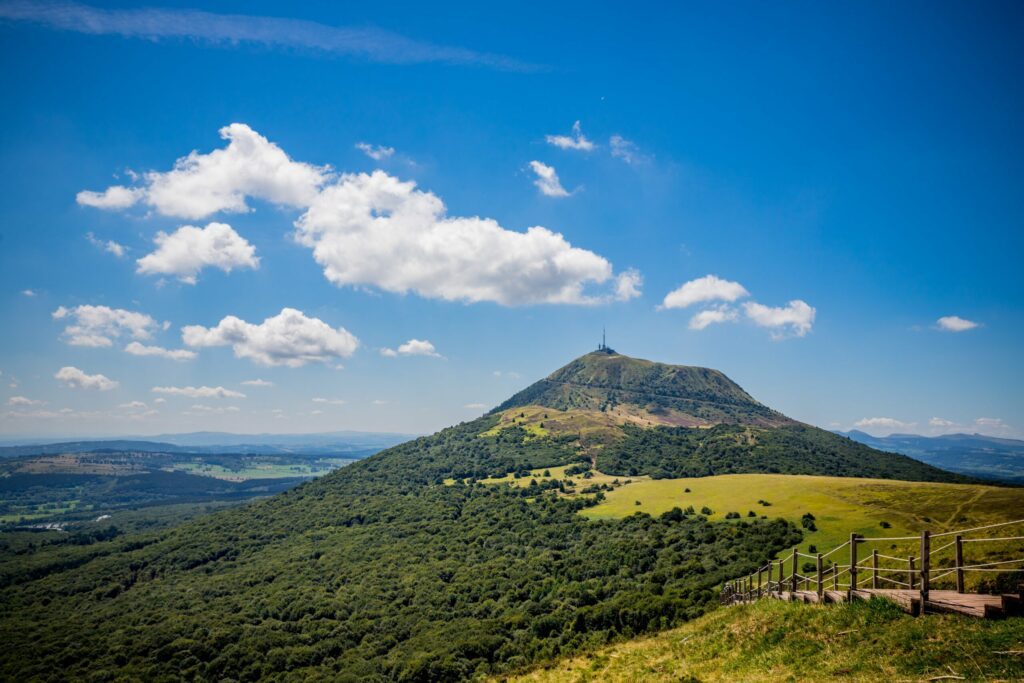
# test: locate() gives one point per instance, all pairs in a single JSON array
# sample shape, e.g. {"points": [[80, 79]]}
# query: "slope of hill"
{"points": [[404, 566], [976, 455], [779, 641]]}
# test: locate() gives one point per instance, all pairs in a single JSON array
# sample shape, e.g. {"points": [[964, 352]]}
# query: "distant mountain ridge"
{"points": [[344, 443], [977, 455]]}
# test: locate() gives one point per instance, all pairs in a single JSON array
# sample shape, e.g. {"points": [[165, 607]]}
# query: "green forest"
{"points": [[379, 571]]}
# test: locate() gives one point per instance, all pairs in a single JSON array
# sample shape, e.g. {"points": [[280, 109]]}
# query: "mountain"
{"points": [[610, 401], [976, 455], [411, 565], [666, 394]]}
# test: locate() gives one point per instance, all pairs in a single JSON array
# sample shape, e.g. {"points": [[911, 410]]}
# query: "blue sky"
{"points": [[850, 176]]}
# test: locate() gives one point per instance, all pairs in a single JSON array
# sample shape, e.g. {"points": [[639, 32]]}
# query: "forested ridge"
{"points": [[379, 571]]}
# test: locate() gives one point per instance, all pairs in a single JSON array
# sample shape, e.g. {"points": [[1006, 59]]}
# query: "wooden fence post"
{"points": [[874, 569], [835, 576], [821, 579], [910, 572], [759, 571], [959, 564], [782, 577], [793, 578], [853, 564], [926, 549]]}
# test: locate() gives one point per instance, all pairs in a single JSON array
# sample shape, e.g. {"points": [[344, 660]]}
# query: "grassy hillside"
{"points": [[840, 505], [778, 641]]}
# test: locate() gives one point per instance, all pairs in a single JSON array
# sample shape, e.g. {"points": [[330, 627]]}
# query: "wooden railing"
{"points": [[873, 570]]}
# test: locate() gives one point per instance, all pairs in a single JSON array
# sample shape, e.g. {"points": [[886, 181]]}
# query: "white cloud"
{"points": [[704, 289], [160, 400], [230, 30], [627, 285], [200, 409], [413, 347], [28, 292], [114, 197], [330, 401], [372, 229], [24, 401], [711, 316], [547, 180], [76, 379], [474, 406], [110, 246], [626, 150], [100, 325], [133, 405], [379, 402], [289, 338], [954, 323], [199, 392], [797, 317], [137, 349], [203, 184], [257, 383], [575, 141], [375, 152], [189, 249], [940, 422], [883, 425], [507, 373]]}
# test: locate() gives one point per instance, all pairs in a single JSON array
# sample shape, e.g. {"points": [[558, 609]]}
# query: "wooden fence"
{"points": [[863, 571]]}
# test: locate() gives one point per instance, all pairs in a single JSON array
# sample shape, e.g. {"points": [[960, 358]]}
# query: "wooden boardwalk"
{"points": [[939, 601], [860, 579]]}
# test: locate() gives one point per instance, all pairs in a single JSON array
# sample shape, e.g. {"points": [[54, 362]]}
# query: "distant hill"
{"points": [[972, 454], [341, 444]]}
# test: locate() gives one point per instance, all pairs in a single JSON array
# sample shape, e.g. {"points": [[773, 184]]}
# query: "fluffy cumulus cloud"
{"points": [[289, 338], [547, 180], [187, 250], [628, 284], [413, 347], [100, 325], [203, 184], [703, 290], [577, 140], [373, 229], [76, 379], [940, 422], [139, 349], [712, 316], [795, 318], [258, 383], [375, 152], [954, 323], [198, 392], [115, 197]]}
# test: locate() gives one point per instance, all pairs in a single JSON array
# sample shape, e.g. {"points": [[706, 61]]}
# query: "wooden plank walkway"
{"points": [[939, 601]]}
